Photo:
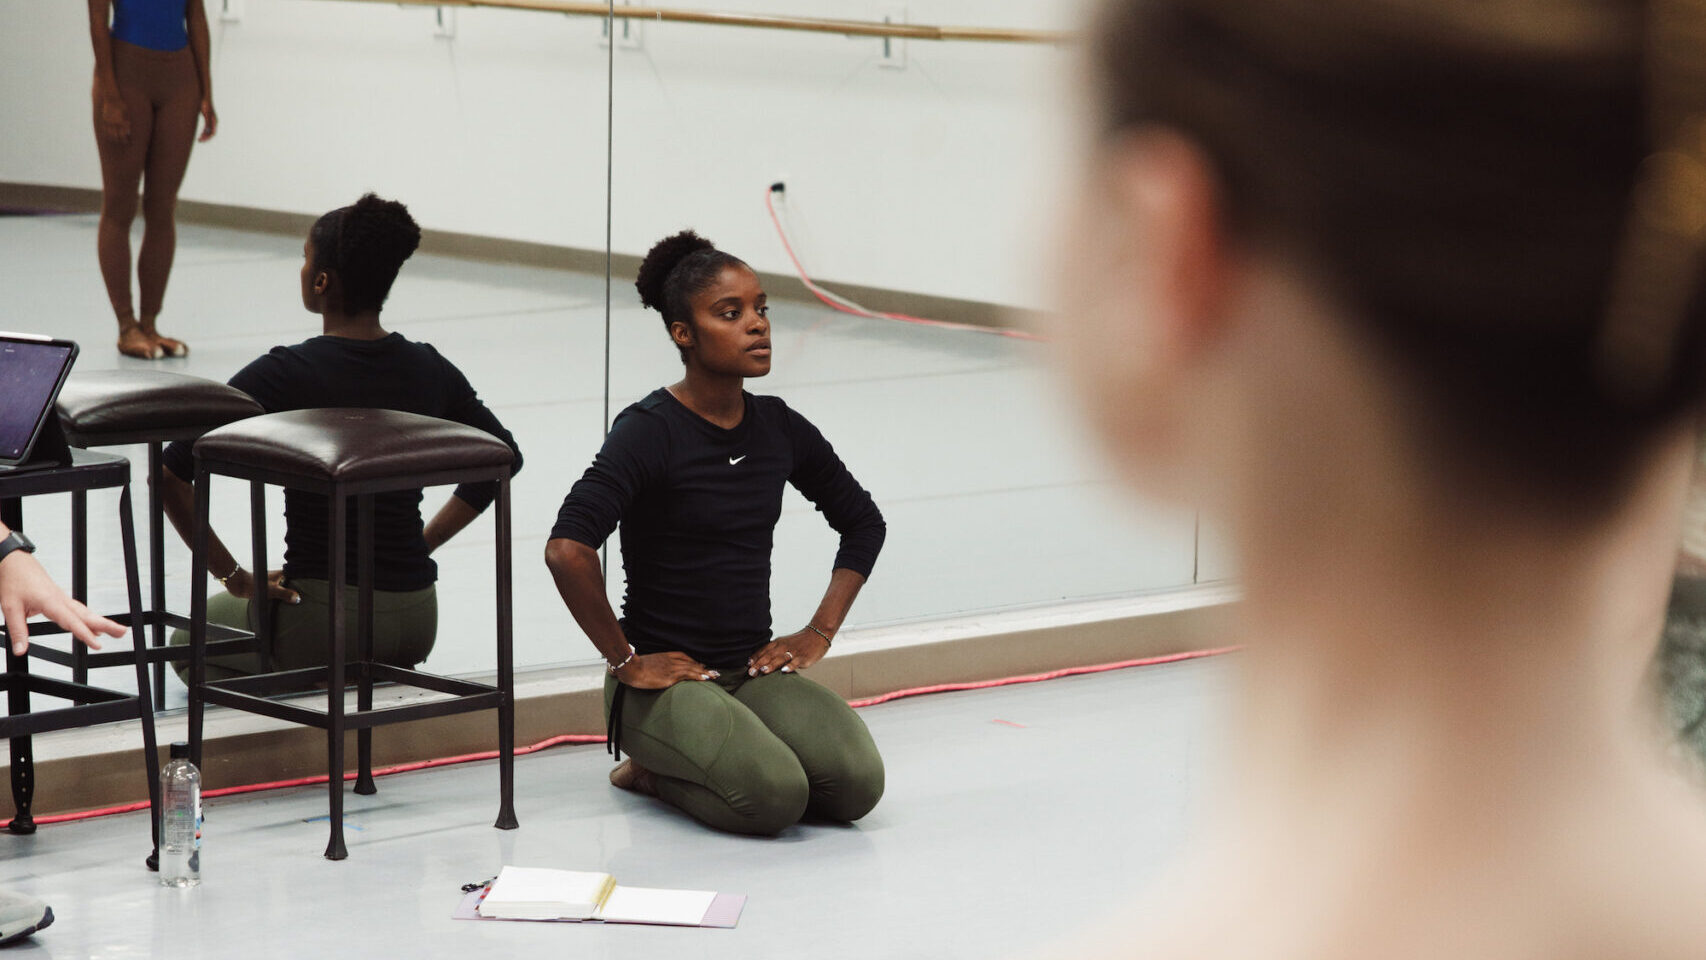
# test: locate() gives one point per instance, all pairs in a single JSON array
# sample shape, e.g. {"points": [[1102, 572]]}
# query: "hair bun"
{"points": [[661, 260], [383, 224]]}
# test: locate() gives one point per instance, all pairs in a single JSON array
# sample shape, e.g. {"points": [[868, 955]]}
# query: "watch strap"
{"points": [[15, 541]]}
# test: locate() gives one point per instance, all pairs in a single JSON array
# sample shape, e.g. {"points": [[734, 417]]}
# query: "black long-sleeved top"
{"points": [[391, 373], [698, 507]]}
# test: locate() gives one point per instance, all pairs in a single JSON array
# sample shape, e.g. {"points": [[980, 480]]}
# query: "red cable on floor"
{"points": [[845, 305], [585, 738]]}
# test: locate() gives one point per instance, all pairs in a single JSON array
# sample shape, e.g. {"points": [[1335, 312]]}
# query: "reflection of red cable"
{"points": [[845, 305], [599, 738]]}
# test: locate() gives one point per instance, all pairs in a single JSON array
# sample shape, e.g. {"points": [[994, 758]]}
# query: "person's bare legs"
{"points": [[121, 174], [168, 157]]}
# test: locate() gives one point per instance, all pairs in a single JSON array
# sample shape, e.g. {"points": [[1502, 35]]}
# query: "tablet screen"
{"points": [[30, 374]]}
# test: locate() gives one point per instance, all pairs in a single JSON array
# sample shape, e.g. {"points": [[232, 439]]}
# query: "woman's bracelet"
{"points": [[813, 628], [616, 668], [222, 580]]}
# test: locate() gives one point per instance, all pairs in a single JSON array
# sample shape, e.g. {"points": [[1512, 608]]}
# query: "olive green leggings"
{"points": [[404, 627], [752, 755]]}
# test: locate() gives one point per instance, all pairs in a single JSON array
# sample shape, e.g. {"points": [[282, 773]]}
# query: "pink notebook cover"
{"points": [[723, 913]]}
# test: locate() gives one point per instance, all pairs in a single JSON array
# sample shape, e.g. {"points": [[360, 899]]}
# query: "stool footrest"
{"points": [[250, 694], [221, 640], [103, 706]]}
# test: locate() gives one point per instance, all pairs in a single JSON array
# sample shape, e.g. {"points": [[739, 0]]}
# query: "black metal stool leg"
{"points": [[260, 608], [364, 632], [139, 643], [80, 578], [23, 752], [506, 668], [336, 533], [198, 614], [157, 569]]}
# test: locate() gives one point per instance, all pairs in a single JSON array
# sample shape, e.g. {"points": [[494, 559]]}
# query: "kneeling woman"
{"points": [[715, 715], [350, 260]]}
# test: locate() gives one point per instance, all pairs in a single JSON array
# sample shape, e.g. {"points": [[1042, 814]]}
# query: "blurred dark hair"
{"points": [[676, 268], [1458, 173], [365, 244]]}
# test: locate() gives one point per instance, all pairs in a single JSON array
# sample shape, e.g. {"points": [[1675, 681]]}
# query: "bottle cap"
{"points": [[180, 750]]}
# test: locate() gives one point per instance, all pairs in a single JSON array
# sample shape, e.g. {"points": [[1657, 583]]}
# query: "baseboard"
{"points": [[99, 767], [48, 198]]}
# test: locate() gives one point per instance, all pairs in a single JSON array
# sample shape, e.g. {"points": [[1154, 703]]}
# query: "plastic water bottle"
{"points": [[180, 820]]}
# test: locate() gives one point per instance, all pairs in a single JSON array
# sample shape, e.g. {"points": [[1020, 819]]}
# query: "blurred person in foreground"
{"points": [[1410, 295], [1681, 663]]}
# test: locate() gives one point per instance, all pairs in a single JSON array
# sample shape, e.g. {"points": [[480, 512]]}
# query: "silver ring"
{"points": [[789, 654]]}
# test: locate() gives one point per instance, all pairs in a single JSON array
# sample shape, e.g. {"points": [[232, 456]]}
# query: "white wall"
{"points": [[936, 178]]}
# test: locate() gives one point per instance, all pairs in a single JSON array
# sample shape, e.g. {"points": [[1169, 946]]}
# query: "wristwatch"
{"points": [[16, 541]]}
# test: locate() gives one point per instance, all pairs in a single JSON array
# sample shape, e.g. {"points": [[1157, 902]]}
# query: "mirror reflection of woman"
{"points": [[1412, 297], [714, 712], [152, 84], [350, 260]]}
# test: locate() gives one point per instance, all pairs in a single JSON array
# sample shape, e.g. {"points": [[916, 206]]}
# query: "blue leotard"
{"points": [[155, 24]]}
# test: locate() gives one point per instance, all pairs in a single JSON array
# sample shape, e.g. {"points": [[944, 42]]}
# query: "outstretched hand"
{"points": [[656, 671], [26, 591], [795, 651]]}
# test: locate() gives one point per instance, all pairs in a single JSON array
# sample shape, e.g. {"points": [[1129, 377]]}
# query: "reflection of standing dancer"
{"points": [[151, 79]]}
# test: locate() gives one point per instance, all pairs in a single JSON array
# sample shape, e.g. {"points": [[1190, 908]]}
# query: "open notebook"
{"points": [[541, 893]]}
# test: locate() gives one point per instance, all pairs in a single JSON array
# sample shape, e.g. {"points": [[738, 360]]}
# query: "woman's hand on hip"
{"points": [[114, 118], [796, 651], [242, 586], [657, 671], [209, 120]]}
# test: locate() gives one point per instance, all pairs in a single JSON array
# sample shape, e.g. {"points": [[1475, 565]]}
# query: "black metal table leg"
{"points": [[23, 753], [18, 702]]}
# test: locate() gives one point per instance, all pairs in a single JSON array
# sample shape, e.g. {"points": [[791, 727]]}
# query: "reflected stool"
{"points": [[115, 407], [90, 705], [341, 453]]}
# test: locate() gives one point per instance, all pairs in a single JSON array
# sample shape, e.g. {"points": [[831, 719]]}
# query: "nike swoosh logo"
{"points": [[735, 460]]}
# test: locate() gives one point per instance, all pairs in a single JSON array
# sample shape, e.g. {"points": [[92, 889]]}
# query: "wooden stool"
{"points": [[114, 407], [342, 453]]}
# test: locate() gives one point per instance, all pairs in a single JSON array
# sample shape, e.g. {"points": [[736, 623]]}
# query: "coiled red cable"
{"points": [[845, 305]]}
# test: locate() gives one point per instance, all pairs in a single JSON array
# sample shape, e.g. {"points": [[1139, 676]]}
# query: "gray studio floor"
{"points": [[1013, 816], [992, 498]]}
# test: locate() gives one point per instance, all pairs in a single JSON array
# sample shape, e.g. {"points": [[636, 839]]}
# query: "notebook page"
{"points": [[543, 893], [645, 905]]}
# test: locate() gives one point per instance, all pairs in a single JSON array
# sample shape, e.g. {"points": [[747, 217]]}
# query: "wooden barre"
{"points": [[859, 28]]}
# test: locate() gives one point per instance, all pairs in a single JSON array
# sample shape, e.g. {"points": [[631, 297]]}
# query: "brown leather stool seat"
{"points": [[340, 445], [113, 407], [342, 453]]}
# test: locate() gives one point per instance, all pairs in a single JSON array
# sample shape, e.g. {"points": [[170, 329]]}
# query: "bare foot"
{"points": [[133, 341], [629, 775], [168, 346]]}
